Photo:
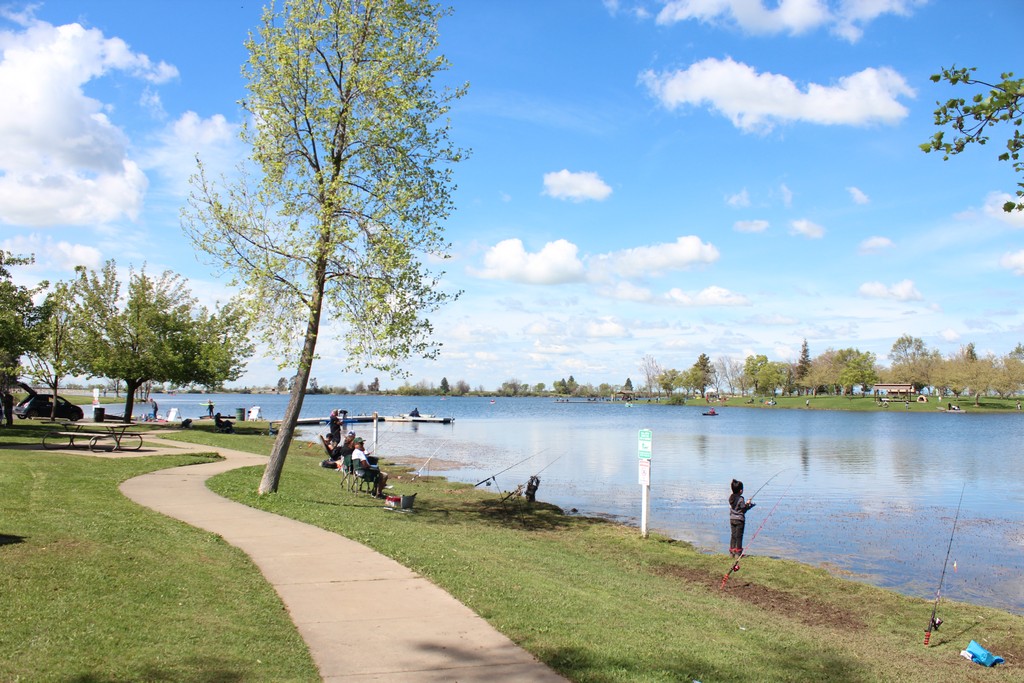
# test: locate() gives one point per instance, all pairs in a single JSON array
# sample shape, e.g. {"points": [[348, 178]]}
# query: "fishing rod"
{"points": [[436, 451], [736, 565], [934, 622], [492, 477], [767, 482]]}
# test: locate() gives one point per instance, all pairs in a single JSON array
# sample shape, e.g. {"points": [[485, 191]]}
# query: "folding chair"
{"points": [[366, 477], [348, 472]]}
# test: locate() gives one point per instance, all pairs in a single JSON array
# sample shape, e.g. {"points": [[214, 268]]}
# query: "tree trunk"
{"points": [[129, 398], [272, 474]]}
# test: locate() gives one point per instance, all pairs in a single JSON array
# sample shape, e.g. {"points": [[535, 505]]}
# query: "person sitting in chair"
{"points": [[362, 461], [222, 425]]}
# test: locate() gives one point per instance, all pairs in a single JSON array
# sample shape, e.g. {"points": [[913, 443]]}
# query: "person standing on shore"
{"points": [[737, 517], [334, 425]]}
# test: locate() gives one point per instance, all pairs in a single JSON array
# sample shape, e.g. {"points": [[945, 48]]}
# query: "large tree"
{"points": [[17, 313], [53, 355], [912, 361], [803, 366], [972, 121], [702, 373], [752, 369], [352, 158], [155, 332], [856, 367]]}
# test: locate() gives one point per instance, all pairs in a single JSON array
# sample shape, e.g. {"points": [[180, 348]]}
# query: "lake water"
{"points": [[870, 495]]}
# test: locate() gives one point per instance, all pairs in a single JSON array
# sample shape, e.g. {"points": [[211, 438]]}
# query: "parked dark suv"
{"points": [[41, 405]]}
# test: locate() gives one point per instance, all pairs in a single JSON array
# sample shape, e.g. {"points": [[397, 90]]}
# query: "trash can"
{"points": [[240, 414], [99, 413]]}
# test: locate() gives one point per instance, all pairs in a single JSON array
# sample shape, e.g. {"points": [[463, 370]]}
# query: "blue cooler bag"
{"points": [[983, 656]]}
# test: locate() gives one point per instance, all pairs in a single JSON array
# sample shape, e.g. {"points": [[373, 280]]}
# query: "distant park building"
{"points": [[895, 390]]}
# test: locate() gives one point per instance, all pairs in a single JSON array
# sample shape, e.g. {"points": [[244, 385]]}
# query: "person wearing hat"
{"points": [[362, 462], [347, 447]]}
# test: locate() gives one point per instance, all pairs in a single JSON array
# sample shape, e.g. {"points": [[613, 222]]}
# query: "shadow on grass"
{"points": [[201, 670], [778, 663], [6, 539]]}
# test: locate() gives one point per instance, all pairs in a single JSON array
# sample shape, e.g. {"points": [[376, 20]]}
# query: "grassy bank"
{"points": [[96, 588], [987, 404], [599, 603]]}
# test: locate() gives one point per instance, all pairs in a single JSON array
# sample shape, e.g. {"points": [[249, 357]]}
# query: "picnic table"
{"points": [[110, 437]]}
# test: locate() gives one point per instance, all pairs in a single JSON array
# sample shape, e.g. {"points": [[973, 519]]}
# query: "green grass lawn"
{"points": [[95, 588]]}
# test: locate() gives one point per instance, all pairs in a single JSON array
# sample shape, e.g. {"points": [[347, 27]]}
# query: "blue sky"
{"points": [[663, 178]]}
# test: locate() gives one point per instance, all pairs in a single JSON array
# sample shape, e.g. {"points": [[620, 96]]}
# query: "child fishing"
{"points": [[737, 517]]}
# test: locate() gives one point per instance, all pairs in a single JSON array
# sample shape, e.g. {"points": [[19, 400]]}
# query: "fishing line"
{"points": [[492, 477], [549, 464], [934, 623], [736, 565]]}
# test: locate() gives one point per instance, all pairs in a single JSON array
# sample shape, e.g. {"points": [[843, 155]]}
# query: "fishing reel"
{"points": [[736, 567], [936, 623]]}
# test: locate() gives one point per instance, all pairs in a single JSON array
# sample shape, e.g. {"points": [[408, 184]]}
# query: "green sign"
{"points": [[644, 444]]}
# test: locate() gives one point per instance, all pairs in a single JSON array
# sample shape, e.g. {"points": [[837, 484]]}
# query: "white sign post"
{"points": [[645, 449]]}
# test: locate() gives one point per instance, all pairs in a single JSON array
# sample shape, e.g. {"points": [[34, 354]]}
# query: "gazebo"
{"points": [[904, 391]]}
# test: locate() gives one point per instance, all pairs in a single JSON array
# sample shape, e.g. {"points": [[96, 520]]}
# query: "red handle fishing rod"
{"points": [[935, 622]]}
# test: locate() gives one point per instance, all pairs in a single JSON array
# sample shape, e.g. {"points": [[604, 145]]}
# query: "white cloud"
{"points": [[994, 209], [214, 139], [875, 244], [740, 199], [858, 196], [51, 255], [750, 226], [1014, 262], [901, 291], [556, 263], [845, 18], [756, 102], [64, 161], [626, 291], [787, 195], [852, 16], [950, 335], [806, 228], [793, 16], [709, 296], [605, 327], [655, 259], [576, 187]]}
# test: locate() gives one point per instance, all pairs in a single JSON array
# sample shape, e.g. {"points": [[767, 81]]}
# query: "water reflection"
{"points": [[871, 494]]}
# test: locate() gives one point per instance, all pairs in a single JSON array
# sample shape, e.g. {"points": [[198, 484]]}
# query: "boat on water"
{"points": [[435, 419], [711, 413], [419, 418]]}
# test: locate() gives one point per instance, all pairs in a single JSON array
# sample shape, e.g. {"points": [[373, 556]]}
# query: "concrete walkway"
{"points": [[334, 588]]}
